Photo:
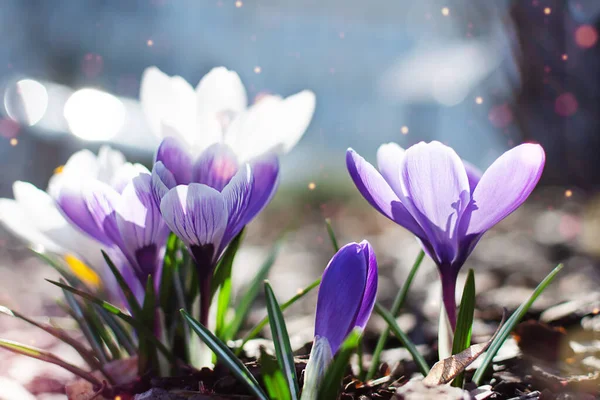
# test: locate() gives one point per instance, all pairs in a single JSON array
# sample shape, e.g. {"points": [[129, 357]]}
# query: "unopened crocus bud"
{"points": [[345, 302]]}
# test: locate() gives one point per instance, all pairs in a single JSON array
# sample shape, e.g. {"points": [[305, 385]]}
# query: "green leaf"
{"points": [[136, 324], [331, 233], [222, 282], [88, 331], [256, 330], [147, 358], [273, 378], [169, 269], [49, 358], [396, 307], [122, 336], [58, 333], [134, 306], [226, 356], [247, 300], [281, 340], [511, 323], [464, 322], [403, 337], [332, 382]]}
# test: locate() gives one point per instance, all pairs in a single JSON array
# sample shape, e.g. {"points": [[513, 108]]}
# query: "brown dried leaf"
{"points": [[447, 369], [81, 390]]}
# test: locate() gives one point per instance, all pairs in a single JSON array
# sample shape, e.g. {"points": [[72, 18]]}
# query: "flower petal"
{"points": [[340, 295], [176, 159], [389, 157], [215, 167], [505, 185], [435, 190], [265, 171], [237, 195], [473, 174], [378, 192], [162, 181], [196, 213], [170, 101], [221, 90], [369, 295], [102, 201]]}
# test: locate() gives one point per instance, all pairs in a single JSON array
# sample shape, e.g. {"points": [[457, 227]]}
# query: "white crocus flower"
{"points": [[34, 217], [217, 111]]}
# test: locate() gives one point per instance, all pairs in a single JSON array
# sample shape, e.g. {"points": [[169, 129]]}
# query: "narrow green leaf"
{"points": [[58, 333], [147, 358], [247, 300], [59, 266], [137, 325], [134, 306], [511, 323], [331, 233], [97, 325], [281, 340], [88, 331], [273, 378], [123, 337], [464, 322], [222, 282], [256, 330], [169, 269], [403, 337], [226, 356], [396, 307], [49, 358], [332, 382]]}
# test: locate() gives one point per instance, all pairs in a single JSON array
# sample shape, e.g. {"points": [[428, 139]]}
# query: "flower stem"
{"points": [[205, 299], [449, 296]]}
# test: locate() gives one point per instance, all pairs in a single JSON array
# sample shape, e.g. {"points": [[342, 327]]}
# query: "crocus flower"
{"points": [[217, 111], [345, 302], [446, 204], [207, 213], [128, 223], [34, 217]]}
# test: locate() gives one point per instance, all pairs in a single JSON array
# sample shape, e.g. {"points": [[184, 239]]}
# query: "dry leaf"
{"points": [[81, 390], [447, 369]]}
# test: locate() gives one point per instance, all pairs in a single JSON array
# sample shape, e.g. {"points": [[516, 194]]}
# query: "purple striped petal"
{"points": [[237, 195], [176, 159], [197, 214], [341, 300], [505, 185], [435, 190], [141, 226], [72, 204], [265, 170], [378, 192], [162, 181], [215, 167], [102, 202]]}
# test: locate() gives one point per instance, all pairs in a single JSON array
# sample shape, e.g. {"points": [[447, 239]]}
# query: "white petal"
{"points": [[168, 100], [221, 90], [271, 124], [109, 163]]}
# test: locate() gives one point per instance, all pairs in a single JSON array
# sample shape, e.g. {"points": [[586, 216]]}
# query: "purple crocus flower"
{"points": [[207, 202], [345, 302], [447, 204], [129, 223]]}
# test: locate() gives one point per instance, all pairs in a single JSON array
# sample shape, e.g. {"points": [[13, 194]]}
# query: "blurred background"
{"points": [[480, 76]]}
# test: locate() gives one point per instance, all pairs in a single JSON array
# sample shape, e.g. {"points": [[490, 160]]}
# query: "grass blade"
{"points": [[281, 340], [222, 282], [122, 336], [256, 330], [273, 378], [247, 300], [403, 337], [134, 306], [511, 323], [139, 327], [331, 234], [330, 386], [58, 333], [226, 356], [464, 322], [396, 307], [147, 358], [49, 358]]}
